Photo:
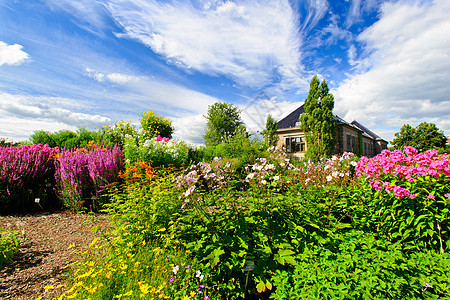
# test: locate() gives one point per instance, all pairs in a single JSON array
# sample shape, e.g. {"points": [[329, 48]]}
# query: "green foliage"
{"points": [[317, 123], [157, 151], [223, 122], [116, 133], [6, 143], [65, 138], [269, 133], [142, 206], [10, 241], [42, 137], [424, 137], [358, 265], [153, 125], [312, 232]]}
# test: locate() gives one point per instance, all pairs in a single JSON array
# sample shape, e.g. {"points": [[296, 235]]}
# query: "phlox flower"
{"points": [[175, 269], [447, 195]]}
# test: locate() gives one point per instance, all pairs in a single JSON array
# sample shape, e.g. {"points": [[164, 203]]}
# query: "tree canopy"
{"points": [[153, 125], [317, 121], [223, 122], [269, 133], [424, 137]]}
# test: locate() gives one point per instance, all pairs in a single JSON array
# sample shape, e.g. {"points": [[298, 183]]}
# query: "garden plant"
{"points": [[246, 224]]}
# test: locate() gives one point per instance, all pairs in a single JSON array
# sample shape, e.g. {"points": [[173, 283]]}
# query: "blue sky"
{"points": [[66, 64]]}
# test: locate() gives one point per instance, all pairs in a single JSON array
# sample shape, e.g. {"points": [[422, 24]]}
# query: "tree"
{"points": [[269, 132], [223, 122], [153, 125], [424, 137], [317, 121]]}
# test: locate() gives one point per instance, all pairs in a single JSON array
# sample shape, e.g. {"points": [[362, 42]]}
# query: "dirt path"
{"points": [[41, 259]]}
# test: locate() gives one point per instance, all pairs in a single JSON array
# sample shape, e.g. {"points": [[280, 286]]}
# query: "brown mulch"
{"points": [[42, 258]]}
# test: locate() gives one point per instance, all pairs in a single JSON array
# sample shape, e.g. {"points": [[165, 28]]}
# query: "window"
{"points": [[295, 144]]}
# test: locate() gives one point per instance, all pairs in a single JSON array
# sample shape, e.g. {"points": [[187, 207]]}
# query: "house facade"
{"points": [[350, 137]]}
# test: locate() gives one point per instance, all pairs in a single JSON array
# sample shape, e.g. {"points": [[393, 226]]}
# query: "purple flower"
{"points": [[172, 279]]}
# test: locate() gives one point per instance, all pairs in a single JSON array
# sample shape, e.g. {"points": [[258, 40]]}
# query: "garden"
{"points": [[238, 219]]}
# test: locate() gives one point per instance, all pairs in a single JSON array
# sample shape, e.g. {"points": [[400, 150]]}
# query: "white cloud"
{"points": [[410, 67], [12, 54], [19, 129], [90, 15], [357, 8], [248, 41], [118, 78], [146, 93], [316, 10], [22, 114], [190, 128]]}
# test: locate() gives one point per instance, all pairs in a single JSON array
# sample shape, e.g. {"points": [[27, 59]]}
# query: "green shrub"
{"points": [[10, 242], [158, 151], [153, 125], [357, 265], [116, 133]]}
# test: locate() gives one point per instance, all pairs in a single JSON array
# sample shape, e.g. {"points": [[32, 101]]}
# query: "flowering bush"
{"points": [[158, 151], [275, 171], [25, 173], [412, 196], [403, 173], [203, 177], [153, 125], [115, 134], [83, 173]]}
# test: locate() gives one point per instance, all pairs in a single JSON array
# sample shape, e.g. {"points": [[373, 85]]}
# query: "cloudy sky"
{"points": [[66, 64]]}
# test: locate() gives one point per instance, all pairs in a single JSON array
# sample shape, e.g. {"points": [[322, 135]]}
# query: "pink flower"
{"points": [[431, 196], [447, 195]]}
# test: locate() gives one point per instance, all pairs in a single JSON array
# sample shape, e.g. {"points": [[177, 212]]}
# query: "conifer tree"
{"points": [[317, 122], [269, 133]]}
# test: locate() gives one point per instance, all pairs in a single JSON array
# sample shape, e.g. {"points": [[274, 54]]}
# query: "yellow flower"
{"points": [[38, 298], [48, 287], [144, 288], [129, 293], [90, 263], [71, 245], [72, 296], [185, 298]]}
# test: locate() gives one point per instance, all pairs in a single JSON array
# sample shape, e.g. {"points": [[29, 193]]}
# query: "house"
{"points": [[350, 137]]}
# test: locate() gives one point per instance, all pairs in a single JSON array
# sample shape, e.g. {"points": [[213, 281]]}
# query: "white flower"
{"points": [[353, 163], [263, 181], [175, 269], [329, 178], [250, 176], [269, 167], [276, 177]]}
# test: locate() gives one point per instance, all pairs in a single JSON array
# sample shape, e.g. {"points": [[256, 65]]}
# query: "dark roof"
{"points": [[293, 118], [290, 120], [366, 130]]}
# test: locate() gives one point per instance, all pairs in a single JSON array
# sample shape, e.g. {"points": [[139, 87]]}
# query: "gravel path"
{"points": [[40, 261]]}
